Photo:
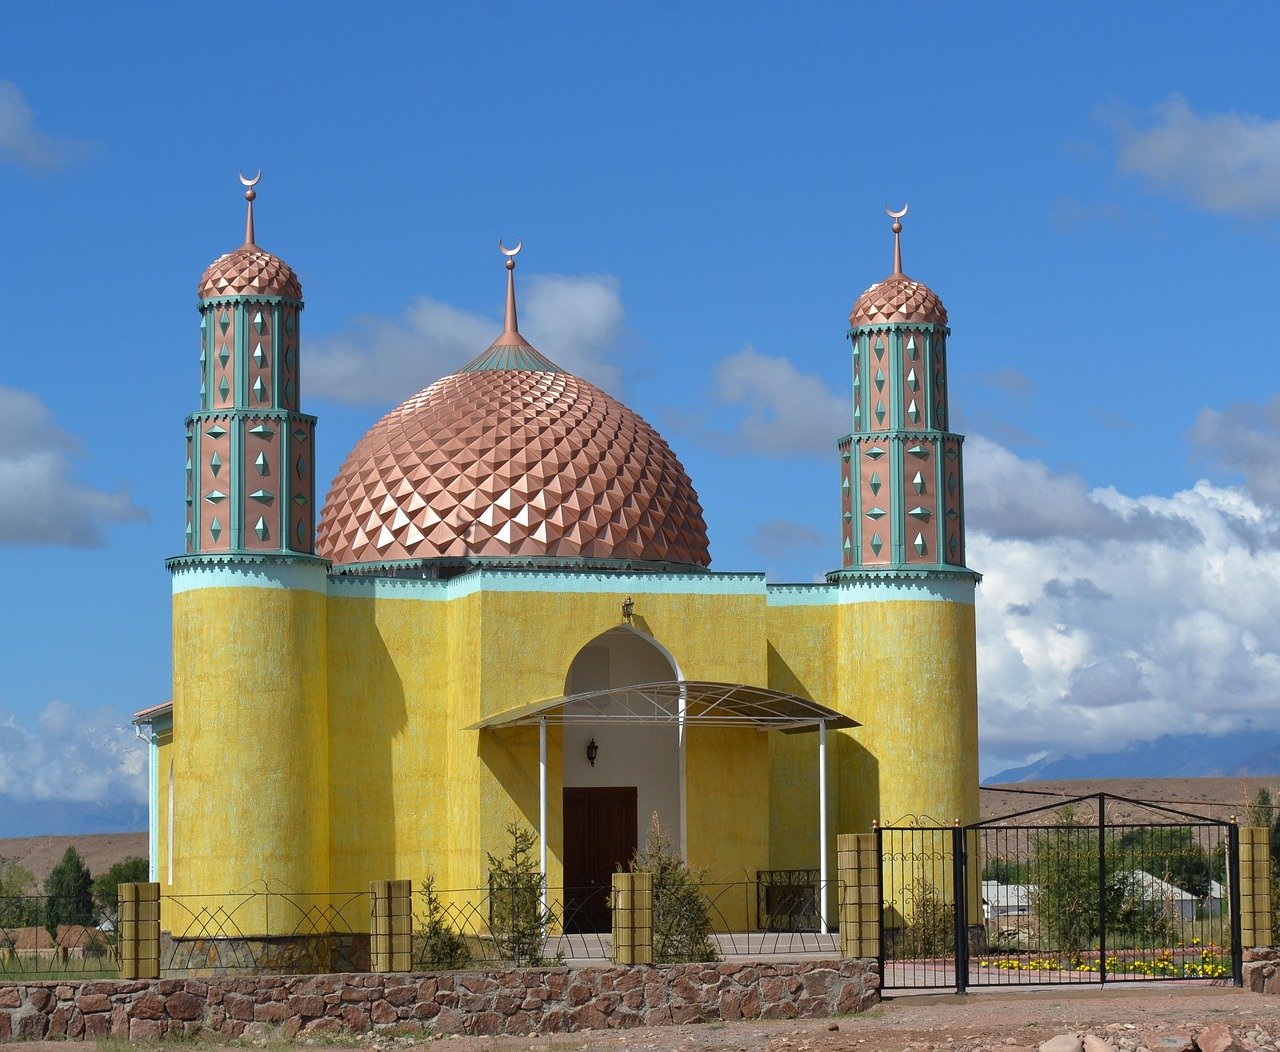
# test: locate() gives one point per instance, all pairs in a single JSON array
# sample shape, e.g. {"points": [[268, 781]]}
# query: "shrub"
{"points": [[517, 920], [929, 929], [682, 926], [436, 945]]}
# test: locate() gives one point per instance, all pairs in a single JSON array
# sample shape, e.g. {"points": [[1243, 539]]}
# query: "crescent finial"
{"points": [[895, 215], [509, 252], [253, 181]]}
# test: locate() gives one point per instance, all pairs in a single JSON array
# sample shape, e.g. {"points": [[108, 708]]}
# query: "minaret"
{"points": [[902, 484], [248, 783], [250, 463]]}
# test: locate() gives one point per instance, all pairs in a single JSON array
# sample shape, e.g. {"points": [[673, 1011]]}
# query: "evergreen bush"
{"points": [[682, 928], [436, 945], [517, 921]]}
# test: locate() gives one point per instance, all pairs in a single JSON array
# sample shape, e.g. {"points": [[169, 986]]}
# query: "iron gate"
{"points": [[1067, 893]]}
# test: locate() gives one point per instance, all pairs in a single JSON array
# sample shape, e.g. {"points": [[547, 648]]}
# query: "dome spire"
{"points": [[897, 235], [249, 194], [511, 326]]}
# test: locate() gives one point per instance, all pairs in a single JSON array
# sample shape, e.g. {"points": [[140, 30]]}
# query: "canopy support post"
{"points": [[684, 794], [822, 825], [542, 808]]}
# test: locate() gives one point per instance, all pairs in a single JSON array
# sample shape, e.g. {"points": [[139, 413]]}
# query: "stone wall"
{"points": [[519, 1001], [1262, 970]]}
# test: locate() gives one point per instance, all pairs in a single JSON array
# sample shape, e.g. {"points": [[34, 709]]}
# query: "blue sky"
{"points": [[1094, 191]]}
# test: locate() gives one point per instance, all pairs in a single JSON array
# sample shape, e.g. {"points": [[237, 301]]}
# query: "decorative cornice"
{"points": [[431, 568], [921, 572], [898, 326]]}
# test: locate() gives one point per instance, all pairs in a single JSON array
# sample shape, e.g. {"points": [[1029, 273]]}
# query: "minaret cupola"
{"points": [[902, 485], [250, 470]]}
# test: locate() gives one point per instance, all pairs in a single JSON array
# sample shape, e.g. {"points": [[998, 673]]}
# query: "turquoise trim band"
{"points": [[193, 575], [549, 581]]}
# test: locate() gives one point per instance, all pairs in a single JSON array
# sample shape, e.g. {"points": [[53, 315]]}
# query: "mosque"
{"points": [[506, 612]]}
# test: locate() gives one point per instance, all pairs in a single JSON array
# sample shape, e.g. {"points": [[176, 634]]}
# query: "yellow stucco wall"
{"points": [[251, 745], [910, 668], [327, 735]]}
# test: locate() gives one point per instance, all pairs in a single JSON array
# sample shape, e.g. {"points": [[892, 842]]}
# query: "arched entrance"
{"points": [[616, 775]]}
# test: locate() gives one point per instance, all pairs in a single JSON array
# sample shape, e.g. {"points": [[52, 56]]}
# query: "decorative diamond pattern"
{"points": [[262, 465], [259, 355], [876, 513], [216, 431], [260, 390], [262, 496], [215, 465], [512, 462], [215, 496], [260, 528], [919, 545], [876, 543], [248, 271], [874, 453], [259, 323], [874, 483], [918, 482], [215, 528], [898, 299]]}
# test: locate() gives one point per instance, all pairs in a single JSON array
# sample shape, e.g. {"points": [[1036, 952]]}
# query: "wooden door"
{"points": [[599, 838]]}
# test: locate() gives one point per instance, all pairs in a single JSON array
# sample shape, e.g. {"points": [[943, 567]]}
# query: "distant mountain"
{"points": [[1249, 752], [19, 818]]}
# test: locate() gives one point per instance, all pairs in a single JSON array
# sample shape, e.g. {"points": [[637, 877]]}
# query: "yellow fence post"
{"points": [[623, 895], [391, 925], [858, 873], [139, 921], [1255, 887], [633, 918]]}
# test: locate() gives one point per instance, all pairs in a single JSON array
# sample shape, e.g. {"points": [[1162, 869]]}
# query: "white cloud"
{"points": [[71, 754], [785, 411], [22, 142], [1242, 440], [1222, 162], [574, 320], [1106, 619], [40, 503]]}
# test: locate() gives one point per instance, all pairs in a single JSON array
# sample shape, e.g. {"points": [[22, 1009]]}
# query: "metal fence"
{"points": [[49, 936], [1061, 895]]}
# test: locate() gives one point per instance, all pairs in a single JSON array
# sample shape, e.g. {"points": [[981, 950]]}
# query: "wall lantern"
{"points": [[628, 608], [593, 750]]}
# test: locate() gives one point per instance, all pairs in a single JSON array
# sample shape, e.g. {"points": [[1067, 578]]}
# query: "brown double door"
{"points": [[599, 838]]}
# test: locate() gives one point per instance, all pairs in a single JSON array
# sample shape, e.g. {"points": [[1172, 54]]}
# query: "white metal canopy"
{"points": [[681, 701]]}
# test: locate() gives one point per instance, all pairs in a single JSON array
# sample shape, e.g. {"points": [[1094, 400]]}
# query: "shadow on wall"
{"points": [[367, 715]]}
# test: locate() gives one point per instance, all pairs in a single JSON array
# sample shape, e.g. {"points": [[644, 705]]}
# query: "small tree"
{"points": [[930, 928], [106, 888], [18, 906], [68, 893], [437, 945], [517, 920], [681, 916]]}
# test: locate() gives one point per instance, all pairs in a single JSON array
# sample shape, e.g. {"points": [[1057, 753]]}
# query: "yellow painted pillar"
{"points": [[1255, 887], [139, 919], [858, 873]]}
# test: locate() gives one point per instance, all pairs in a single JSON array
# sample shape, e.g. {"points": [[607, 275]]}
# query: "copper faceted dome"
{"points": [[512, 457], [249, 271], [898, 299]]}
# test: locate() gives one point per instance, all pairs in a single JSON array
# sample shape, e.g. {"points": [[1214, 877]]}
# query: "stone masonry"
{"points": [[519, 1001]]}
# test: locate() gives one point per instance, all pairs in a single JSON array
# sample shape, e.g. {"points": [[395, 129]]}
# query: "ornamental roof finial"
{"points": [[510, 253], [897, 235], [249, 195]]}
